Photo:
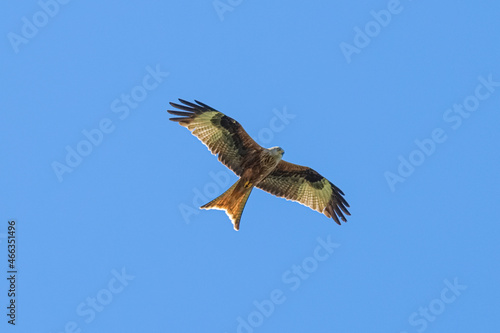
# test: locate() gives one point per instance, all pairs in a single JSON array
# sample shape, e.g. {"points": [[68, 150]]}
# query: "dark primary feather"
{"points": [[180, 113]]}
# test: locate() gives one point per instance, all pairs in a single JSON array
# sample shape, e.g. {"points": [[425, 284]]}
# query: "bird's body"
{"points": [[256, 166], [261, 164]]}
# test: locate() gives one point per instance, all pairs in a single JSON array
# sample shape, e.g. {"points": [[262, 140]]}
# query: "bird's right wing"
{"points": [[307, 187], [223, 135]]}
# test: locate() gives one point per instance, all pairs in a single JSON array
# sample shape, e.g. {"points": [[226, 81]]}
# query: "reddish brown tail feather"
{"points": [[232, 201]]}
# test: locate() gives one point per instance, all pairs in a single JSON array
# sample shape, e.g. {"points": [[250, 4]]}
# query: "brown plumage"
{"points": [[256, 166]]}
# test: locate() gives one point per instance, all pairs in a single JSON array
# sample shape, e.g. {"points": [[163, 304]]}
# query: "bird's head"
{"points": [[277, 151]]}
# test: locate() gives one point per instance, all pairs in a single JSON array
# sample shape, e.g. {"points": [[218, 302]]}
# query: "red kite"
{"points": [[256, 166]]}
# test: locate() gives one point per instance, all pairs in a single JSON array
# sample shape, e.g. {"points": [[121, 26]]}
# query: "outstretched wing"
{"points": [[223, 135], [306, 186]]}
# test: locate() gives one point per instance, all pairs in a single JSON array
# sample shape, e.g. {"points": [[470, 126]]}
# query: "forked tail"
{"points": [[232, 201]]}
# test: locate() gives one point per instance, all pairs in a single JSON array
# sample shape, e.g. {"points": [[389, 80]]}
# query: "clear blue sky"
{"points": [[397, 103]]}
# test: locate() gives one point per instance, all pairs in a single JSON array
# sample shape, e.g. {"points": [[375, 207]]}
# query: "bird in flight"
{"points": [[256, 166]]}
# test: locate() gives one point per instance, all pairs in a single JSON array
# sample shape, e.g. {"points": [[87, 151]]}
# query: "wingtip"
{"points": [[204, 105], [176, 119]]}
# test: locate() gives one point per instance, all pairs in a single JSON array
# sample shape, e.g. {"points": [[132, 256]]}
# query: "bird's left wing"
{"points": [[223, 135], [306, 186]]}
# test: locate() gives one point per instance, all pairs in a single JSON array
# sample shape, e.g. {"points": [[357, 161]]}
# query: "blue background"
{"points": [[129, 207]]}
